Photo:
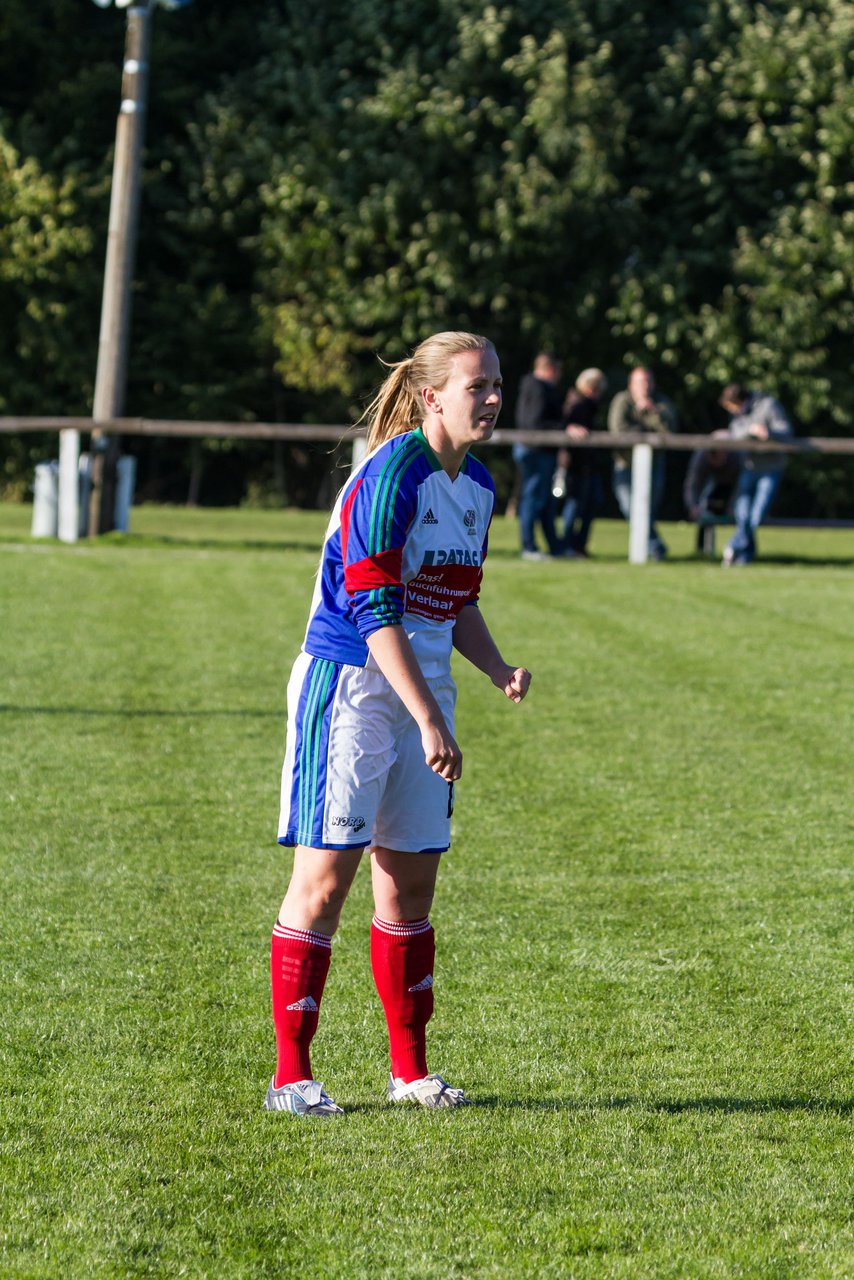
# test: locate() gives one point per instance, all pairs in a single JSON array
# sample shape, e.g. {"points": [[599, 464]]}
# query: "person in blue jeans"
{"points": [[538, 408], [758, 416]]}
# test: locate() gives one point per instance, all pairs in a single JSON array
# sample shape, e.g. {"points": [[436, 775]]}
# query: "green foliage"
{"points": [[42, 249], [745, 263], [456, 183], [43, 294], [624, 180]]}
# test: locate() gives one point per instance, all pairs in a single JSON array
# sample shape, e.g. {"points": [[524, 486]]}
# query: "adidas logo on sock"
{"points": [[424, 985], [429, 518], [306, 1005]]}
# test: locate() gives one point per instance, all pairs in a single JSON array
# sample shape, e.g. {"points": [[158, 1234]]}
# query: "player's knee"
{"points": [[325, 899], [411, 902], [317, 901]]}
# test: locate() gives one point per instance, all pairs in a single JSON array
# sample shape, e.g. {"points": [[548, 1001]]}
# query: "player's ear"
{"points": [[431, 400]]}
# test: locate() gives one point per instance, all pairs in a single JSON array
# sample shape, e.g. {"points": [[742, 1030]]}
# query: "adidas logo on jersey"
{"points": [[429, 518], [424, 985], [306, 1005]]}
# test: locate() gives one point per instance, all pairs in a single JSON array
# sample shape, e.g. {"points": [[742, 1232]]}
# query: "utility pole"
{"points": [[114, 339]]}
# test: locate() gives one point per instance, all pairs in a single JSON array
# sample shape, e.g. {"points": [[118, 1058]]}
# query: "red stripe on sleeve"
{"points": [[381, 570]]}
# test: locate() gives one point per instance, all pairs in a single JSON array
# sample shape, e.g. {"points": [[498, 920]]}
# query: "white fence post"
{"points": [[640, 503], [45, 493], [69, 485], [360, 448]]}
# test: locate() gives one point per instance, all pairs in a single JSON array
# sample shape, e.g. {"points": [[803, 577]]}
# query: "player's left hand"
{"points": [[516, 683]]}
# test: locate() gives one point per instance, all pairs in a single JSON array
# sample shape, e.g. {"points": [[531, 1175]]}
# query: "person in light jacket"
{"points": [[758, 416], [641, 407]]}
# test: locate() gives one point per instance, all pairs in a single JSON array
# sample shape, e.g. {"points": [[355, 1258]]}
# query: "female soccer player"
{"points": [[371, 757]]}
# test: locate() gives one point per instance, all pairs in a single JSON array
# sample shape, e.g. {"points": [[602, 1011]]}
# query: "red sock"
{"points": [[402, 956], [299, 963]]}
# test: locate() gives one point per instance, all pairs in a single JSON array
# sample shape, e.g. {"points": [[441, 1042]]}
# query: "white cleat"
{"points": [[304, 1098], [429, 1091]]}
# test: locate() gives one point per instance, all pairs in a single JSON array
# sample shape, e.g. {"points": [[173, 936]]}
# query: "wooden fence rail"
{"points": [[641, 444], [301, 431]]}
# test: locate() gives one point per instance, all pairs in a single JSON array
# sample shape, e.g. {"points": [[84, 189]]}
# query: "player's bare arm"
{"points": [[393, 655], [473, 640]]}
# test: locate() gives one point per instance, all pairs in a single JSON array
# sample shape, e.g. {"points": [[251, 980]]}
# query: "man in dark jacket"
{"points": [[538, 408], [582, 483]]}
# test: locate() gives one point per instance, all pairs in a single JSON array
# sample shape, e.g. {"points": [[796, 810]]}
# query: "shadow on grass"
{"points": [[820, 562], [712, 1105], [312, 545], [153, 713], [764, 561], [691, 557], [834, 1106], [601, 557], [172, 542], [677, 1106]]}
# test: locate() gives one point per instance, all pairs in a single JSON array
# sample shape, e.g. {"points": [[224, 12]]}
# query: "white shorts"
{"points": [[354, 772]]}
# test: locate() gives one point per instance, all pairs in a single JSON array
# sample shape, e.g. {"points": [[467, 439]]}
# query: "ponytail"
{"points": [[394, 409], [397, 406]]}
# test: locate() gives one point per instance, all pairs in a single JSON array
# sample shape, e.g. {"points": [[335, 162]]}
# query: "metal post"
{"points": [[640, 504], [114, 339]]}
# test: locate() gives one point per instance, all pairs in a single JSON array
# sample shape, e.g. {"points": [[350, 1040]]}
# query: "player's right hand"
{"points": [[442, 753]]}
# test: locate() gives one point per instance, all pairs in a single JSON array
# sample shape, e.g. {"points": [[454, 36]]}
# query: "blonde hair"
{"points": [[591, 378], [397, 406]]}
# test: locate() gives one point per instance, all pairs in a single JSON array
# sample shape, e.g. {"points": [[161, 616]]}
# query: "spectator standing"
{"points": [[578, 479], [641, 407], [754, 415], [709, 487], [538, 408]]}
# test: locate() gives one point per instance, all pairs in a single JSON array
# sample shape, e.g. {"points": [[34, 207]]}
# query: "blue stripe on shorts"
{"points": [[308, 789], [318, 692]]}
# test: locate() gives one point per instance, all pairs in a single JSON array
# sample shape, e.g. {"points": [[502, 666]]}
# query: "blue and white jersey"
{"points": [[405, 545]]}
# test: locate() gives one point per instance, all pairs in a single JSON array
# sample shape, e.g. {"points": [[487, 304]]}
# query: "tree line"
{"points": [[661, 183]]}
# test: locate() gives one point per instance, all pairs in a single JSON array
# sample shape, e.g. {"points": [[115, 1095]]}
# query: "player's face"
{"points": [[471, 398]]}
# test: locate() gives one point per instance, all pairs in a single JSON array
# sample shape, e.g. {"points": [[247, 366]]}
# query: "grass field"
{"points": [[644, 925]]}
